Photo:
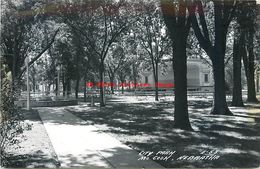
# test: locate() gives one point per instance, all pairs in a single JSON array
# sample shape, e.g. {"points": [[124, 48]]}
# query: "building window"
{"points": [[206, 78], [146, 79]]}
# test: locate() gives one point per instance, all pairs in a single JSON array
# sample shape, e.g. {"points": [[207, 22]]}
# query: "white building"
{"points": [[199, 76]]}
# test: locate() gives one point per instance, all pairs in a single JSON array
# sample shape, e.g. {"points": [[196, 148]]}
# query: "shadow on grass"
{"points": [[37, 160], [116, 157], [149, 126], [97, 99], [25, 155], [55, 116]]}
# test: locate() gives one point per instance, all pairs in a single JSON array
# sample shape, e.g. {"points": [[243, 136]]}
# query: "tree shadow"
{"points": [[37, 160], [24, 155], [116, 157], [56, 116], [150, 126]]}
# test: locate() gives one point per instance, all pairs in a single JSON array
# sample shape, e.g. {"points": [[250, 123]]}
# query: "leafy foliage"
{"points": [[10, 117]]}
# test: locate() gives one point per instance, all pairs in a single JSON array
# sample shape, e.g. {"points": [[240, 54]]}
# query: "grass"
{"points": [[148, 126], [34, 149]]}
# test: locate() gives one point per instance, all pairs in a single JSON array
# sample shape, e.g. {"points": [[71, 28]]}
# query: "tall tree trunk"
{"points": [[101, 87], [219, 102], [156, 81], [85, 89], [181, 116], [68, 86], [14, 83], [238, 50], [129, 85], [122, 86], [135, 78], [49, 88], [179, 28], [56, 88], [34, 85], [77, 87], [112, 84], [14, 68], [64, 86], [77, 74], [257, 82], [135, 83], [251, 93]]}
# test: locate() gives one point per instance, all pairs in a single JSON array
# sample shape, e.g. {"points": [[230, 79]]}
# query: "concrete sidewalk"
{"points": [[80, 145]]}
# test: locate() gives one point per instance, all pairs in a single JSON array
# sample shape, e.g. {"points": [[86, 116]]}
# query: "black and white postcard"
{"points": [[130, 84]]}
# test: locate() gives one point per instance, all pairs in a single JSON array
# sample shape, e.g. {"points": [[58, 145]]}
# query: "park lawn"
{"points": [[146, 125], [34, 148]]}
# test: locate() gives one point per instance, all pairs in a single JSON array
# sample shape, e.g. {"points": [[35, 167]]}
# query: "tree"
{"points": [[10, 115], [17, 32], [247, 20], [243, 48], [238, 51], [114, 62], [257, 48], [80, 61], [122, 73], [215, 47], [178, 23], [136, 56], [103, 23], [64, 52], [153, 37]]}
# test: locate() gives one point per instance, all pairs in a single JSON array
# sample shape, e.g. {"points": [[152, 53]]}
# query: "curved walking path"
{"points": [[78, 144]]}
